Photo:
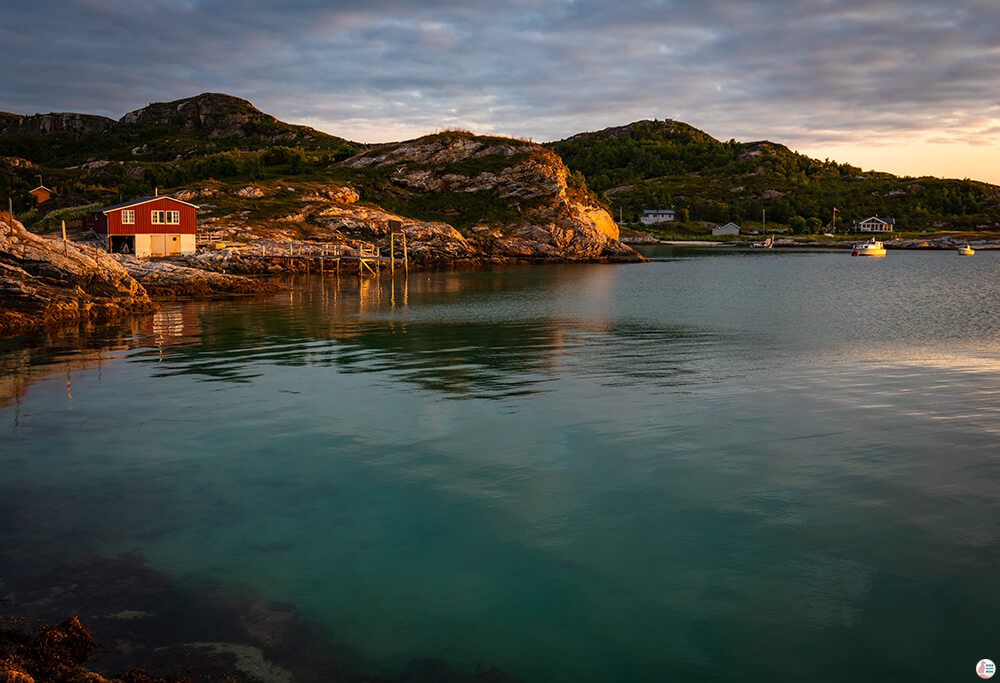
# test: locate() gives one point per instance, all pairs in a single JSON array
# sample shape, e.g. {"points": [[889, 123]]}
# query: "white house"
{"points": [[874, 224], [727, 229], [651, 216]]}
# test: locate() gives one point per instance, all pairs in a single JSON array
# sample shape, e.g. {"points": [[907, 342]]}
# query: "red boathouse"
{"points": [[148, 226]]}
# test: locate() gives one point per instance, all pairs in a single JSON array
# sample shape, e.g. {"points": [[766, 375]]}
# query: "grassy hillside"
{"points": [[668, 164], [168, 131], [165, 145], [647, 164]]}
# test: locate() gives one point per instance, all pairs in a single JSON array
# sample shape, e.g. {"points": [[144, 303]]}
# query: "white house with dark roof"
{"points": [[874, 224], [653, 216]]}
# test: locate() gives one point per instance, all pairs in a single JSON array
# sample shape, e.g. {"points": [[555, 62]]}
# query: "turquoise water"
{"points": [[721, 464]]}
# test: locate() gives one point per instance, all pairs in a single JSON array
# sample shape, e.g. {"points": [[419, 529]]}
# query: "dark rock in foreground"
{"points": [[48, 281], [57, 655], [44, 281]]}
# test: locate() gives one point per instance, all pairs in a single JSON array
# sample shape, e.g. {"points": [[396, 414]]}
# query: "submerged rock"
{"points": [[57, 655], [143, 624]]}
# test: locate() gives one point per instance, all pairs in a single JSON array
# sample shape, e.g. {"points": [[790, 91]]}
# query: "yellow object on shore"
{"points": [[966, 250]]}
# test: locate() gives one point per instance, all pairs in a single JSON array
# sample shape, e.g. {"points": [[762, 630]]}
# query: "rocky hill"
{"points": [[512, 199], [459, 197], [645, 164], [669, 164], [162, 131]]}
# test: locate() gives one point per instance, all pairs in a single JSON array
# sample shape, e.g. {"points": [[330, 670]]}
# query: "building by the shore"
{"points": [[727, 229], [147, 226], [874, 224], [653, 216]]}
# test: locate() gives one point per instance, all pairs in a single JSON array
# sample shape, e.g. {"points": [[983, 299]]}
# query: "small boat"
{"points": [[966, 250], [766, 244], [870, 248]]}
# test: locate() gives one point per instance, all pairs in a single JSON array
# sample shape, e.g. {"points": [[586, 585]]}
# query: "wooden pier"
{"points": [[329, 257]]}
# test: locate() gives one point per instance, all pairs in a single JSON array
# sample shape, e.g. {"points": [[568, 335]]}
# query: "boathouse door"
{"points": [[157, 245]]}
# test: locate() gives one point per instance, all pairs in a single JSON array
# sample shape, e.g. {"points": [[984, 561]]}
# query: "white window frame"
{"points": [[157, 217], [173, 217], [128, 217]]}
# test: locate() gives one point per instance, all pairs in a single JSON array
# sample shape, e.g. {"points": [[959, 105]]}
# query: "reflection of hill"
{"points": [[474, 334]]}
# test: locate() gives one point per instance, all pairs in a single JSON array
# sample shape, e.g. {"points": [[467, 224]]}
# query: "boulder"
{"points": [[44, 281]]}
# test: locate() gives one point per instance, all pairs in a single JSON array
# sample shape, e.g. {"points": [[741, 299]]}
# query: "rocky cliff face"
{"points": [[513, 199], [70, 124], [44, 281]]}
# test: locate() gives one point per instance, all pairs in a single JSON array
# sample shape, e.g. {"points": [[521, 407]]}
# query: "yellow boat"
{"points": [[966, 250], [870, 248]]}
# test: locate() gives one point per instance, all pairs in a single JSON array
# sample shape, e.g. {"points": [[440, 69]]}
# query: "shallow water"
{"points": [[719, 464]]}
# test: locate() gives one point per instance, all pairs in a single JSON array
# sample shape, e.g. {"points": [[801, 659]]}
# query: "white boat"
{"points": [[870, 248], [966, 250]]}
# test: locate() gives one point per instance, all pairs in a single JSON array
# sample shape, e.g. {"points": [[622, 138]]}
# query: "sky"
{"points": [[906, 86]]}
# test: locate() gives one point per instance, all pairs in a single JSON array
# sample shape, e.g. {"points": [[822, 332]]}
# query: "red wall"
{"points": [[111, 224], [40, 195]]}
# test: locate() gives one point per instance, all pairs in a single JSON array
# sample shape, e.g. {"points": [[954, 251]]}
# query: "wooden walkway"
{"points": [[330, 256]]}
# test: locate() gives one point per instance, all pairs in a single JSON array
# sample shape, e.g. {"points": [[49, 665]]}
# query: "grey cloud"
{"points": [[797, 71]]}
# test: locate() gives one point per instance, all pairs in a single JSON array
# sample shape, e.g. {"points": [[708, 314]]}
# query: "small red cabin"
{"points": [[41, 194], [148, 226]]}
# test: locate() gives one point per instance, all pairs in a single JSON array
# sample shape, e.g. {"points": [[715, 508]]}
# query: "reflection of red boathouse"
{"points": [[174, 324]]}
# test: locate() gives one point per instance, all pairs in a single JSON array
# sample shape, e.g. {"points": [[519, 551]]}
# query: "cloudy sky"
{"points": [[908, 86]]}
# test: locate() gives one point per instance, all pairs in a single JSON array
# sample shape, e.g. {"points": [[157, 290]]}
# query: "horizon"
{"points": [[894, 86]]}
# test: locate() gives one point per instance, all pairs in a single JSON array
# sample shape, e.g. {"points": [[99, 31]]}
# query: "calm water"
{"points": [[720, 465]]}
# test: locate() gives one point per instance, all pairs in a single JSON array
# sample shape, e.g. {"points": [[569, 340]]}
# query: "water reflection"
{"points": [[472, 334], [680, 468]]}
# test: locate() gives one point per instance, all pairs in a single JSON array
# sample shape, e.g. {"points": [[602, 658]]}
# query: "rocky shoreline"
{"points": [[44, 282], [936, 243], [47, 282], [166, 279]]}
